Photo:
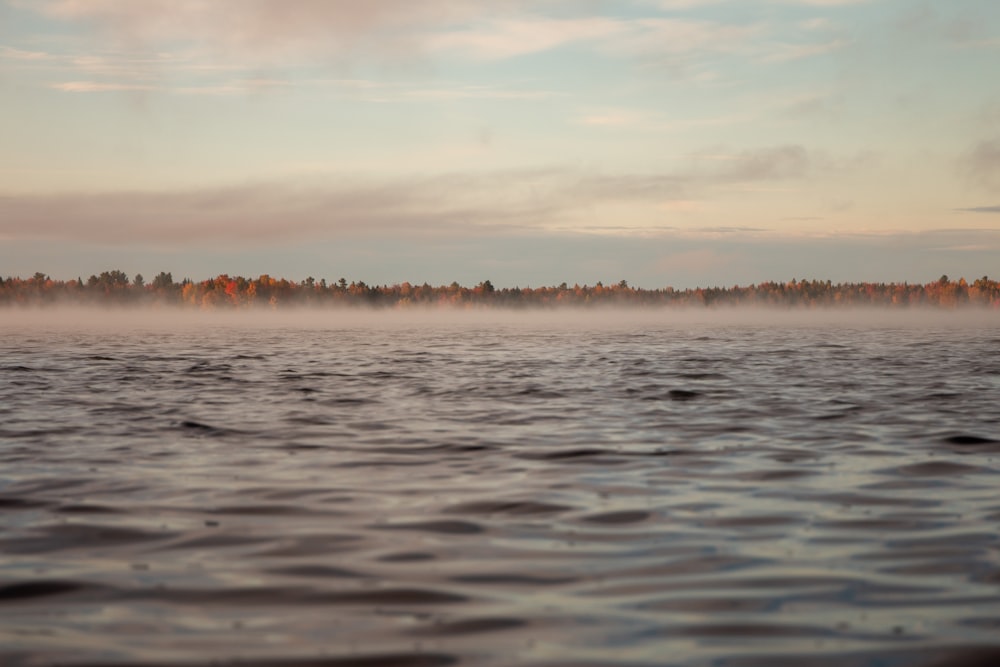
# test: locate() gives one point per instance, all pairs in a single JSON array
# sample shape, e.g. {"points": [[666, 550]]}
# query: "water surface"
{"points": [[484, 491]]}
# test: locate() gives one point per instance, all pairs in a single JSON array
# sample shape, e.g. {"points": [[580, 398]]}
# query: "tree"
{"points": [[113, 278], [139, 281], [163, 281]]}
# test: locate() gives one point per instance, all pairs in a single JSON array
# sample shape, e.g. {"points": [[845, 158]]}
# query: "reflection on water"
{"points": [[498, 494]]}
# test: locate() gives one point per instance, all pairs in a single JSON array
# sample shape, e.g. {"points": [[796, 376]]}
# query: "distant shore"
{"points": [[224, 292]]}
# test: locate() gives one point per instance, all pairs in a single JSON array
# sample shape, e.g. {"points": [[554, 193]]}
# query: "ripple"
{"points": [[201, 429], [567, 454], [617, 518], [321, 571], [469, 626], [84, 508], [9, 504], [683, 395], [445, 527], [291, 596], [938, 469], [30, 590], [419, 659], [67, 537], [750, 630], [514, 508]]}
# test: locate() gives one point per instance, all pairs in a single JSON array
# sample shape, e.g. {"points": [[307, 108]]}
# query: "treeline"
{"points": [[116, 288]]}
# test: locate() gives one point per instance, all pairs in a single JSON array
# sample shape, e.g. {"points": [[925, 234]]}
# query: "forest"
{"points": [[226, 292]]}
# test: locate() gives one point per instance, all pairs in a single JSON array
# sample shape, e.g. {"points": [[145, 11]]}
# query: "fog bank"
{"points": [[23, 321]]}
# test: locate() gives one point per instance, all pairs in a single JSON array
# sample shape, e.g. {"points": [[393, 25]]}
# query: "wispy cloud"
{"points": [[650, 37], [20, 54], [982, 164], [763, 164], [457, 92], [777, 163], [178, 46], [619, 118], [781, 53], [266, 30], [235, 87], [614, 118], [515, 37], [370, 91], [455, 205], [811, 105], [675, 5], [276, 32], [824, 3], [980, 209], [698, 4], [99, 87]]}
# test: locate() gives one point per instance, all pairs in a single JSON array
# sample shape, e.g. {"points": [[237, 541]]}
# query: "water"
{"points": [[475, 491]]}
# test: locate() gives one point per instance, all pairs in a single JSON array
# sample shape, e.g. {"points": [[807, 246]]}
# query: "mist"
{"points": [[173, 319]]}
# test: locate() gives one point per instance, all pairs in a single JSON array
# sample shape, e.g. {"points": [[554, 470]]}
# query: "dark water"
{"points": [[491, 493]]}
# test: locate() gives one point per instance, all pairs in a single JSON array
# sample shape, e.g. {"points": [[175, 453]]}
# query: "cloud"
{"points": [[182, 46], [650, 37], [270, 30], [674, 5], [966, 248], [448, 205], [515, 37], [254, 214], [785, 163], [731, 230], [775, 163], [358, 89], [217, 47], [982, 164], [20, 54], [811, 105], [444, 205], [824, 3], [464, 92], [99, 87], [286, 32], [670, 5], [595, 187], [650, 120], [614, 118], [257, 22], [781, 53], [255, 34], [980, 209]]}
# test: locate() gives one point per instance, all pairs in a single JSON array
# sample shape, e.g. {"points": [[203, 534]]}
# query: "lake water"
{"points": [[568, 489]]}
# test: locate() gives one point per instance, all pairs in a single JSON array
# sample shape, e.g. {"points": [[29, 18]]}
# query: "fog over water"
{"points": [[170, 318], [439, 487]]}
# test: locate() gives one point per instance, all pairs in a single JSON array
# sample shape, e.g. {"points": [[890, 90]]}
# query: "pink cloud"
{"points": [[286, 30]]}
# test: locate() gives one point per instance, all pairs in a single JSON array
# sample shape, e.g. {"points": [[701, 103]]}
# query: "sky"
{"points": [[664, 142]]}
